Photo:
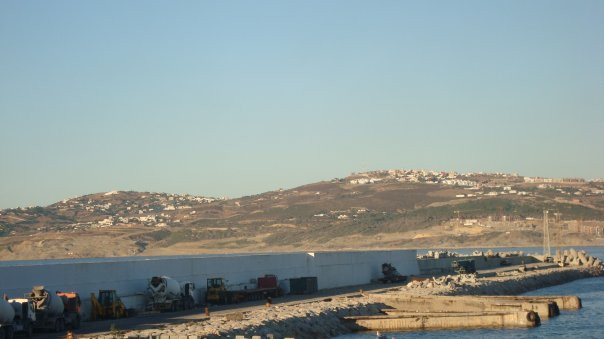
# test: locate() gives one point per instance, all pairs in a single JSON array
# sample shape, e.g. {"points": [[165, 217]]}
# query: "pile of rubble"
{"points": [[439, 254], [491, 254], [573, 257], [449, 281], [518, 284]]}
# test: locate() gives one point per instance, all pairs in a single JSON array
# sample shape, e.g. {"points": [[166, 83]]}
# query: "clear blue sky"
{"points": [[240, 97]]}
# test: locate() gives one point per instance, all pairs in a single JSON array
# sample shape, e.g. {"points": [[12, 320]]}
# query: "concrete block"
{"points": [[235, 316]]}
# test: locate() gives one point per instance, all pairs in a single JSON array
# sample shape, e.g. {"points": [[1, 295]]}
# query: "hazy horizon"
{"points": [[238, 98]]}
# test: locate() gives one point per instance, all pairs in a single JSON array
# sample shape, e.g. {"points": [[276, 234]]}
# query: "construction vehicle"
{"points": [[217, 291], [167, 294], [55, 311], [464, 266], [25, 316], [391, 275], [108, 306], [7, 316], [71, 309]]}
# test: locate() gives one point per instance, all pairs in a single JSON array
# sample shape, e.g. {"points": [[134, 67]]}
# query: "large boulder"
{"points": [[573, 253]]}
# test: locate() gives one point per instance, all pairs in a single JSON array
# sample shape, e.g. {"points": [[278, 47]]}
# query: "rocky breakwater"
{"points": [[576, 265], [444, 283], [319, 319], [573, 257]]}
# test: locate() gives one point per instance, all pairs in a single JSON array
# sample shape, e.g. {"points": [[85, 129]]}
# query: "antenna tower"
{"points": [[547, 251], [558, 234]]}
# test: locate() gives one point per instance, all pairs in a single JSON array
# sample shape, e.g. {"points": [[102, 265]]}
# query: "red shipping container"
{"points": [[268, 281]]}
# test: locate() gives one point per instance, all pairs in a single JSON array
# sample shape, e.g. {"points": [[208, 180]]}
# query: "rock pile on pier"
{"points": [[439, 255], [449, 281], [518, 284], [573, 257], [435, 254], [491, 254]]}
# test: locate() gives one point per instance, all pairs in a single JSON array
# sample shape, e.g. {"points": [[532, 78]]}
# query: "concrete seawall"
{"points": [[430, 266], [129, 276]]}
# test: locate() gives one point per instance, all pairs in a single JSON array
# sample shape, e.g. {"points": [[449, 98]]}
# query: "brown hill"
{"points": [[368, 210]]}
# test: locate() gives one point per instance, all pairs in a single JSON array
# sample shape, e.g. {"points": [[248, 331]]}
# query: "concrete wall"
{"points": [[443, 265], [129, 276]]}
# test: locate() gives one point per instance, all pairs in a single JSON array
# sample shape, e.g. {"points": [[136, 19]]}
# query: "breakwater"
{"points": [[321, 319], [525, 283]]}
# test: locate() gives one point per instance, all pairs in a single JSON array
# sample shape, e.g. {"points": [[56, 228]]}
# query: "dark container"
{"points": [[303, 285], [268, 281]]}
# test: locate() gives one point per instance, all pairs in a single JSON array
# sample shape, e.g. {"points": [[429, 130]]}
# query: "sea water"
{"points": [[587, 322]]}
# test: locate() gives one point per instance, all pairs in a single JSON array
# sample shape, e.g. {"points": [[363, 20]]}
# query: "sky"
{"points": [[231, 98]]}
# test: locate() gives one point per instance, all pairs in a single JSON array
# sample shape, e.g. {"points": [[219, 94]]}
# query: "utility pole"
{"points": [[558, 234], [547, 251]]}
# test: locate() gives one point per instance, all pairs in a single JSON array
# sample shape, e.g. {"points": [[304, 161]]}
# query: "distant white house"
{"points": [[106, 222]]}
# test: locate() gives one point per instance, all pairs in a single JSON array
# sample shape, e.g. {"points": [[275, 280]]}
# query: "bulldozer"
{"points": [[216, 291], [108, 306]]}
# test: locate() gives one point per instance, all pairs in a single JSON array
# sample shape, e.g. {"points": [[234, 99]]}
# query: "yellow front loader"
{"points": [[108, 306]]}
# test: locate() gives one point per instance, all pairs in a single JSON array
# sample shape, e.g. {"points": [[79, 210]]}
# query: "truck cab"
{"points": [[71, 308], [189, 294]]}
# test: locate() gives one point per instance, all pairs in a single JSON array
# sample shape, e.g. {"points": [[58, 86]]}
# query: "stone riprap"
{"points": [[308, 320]]}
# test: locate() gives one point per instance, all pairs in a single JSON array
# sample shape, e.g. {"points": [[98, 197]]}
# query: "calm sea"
{"points": [[585, 323]]}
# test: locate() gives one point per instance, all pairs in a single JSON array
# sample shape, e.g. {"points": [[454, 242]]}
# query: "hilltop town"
{"points": [[377, 209]]}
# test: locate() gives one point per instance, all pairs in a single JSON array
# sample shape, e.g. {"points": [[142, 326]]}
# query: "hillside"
{"points": [[382, 209]]}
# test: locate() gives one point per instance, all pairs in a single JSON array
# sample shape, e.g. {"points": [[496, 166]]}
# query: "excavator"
{"points": [[391, 275], [108, 306]]}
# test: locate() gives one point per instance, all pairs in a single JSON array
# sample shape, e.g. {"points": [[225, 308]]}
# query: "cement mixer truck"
{"points": [[21, 320], [167, 294], [7, 316], [25, 316], [55, 311]]}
